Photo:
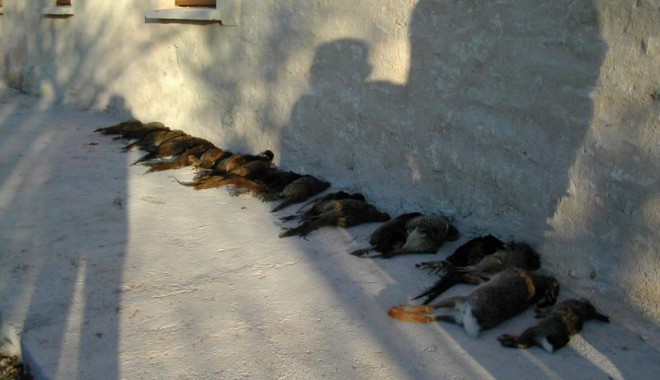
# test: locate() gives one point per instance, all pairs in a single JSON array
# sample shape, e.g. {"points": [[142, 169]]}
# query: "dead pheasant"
{"points": [[250, 171], [118, 129], [182, 160], [252, 167], [232, 162], [211, 157], [132, 129], [151, 141], [174, 147]]}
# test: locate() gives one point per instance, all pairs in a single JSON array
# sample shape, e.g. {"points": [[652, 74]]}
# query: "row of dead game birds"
{"points": [[505, 272]]}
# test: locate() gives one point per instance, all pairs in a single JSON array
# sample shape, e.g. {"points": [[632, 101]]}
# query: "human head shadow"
{"points": [[327, 131]]}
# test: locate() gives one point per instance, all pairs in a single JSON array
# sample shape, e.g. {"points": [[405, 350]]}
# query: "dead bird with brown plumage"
{"points": [[233, 161], [233, 166], [182, 160], [151, 141], [210, 158], [132, 129], [174, 147], [118, 129], [251, 170]]}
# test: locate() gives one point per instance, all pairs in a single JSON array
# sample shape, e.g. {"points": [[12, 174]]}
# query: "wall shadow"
{"points": [[63, 189], [63, 242], [493, 115], [481, 76], [471, 87]]}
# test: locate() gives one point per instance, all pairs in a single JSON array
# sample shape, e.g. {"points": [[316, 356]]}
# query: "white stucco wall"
{"points": [[535, 121]]}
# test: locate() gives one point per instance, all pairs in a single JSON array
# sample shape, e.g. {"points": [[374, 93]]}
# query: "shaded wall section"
{"points": [[605, 228], [535, 121]]}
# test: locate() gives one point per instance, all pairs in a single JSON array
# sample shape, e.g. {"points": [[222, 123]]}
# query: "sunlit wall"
{"points": [[536, 121]]}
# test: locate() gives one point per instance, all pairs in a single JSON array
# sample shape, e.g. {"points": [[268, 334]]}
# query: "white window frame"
{"points": [[225, 12]]}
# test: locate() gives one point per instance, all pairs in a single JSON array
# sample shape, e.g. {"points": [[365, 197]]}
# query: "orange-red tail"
{"points": [[410, 313]]}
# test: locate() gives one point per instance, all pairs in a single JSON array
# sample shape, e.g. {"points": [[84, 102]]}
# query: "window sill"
{"points": [[184, 14], [226, 12], [61, 11]]}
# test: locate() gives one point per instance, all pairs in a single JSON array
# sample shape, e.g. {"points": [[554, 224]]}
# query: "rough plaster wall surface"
{"points": [[606, 227], [536, 121]]}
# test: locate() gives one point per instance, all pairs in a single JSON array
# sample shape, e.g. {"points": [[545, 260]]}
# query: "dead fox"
{"points": [[506, 295]]}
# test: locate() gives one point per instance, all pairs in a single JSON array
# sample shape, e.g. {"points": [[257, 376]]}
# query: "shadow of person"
{"points": [[346, 127], [64, 233], [324, 122], [500, 92], [333, 122]]}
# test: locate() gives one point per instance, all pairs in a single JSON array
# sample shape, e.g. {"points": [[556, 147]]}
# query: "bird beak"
{"points": [[601, 317]]}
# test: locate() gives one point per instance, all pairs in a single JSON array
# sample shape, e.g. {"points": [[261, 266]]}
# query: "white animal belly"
{"points": [[547, 345], [469, 321], [414, 242]]}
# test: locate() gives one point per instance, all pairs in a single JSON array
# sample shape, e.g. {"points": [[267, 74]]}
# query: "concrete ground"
{"points": [[111, 274]]}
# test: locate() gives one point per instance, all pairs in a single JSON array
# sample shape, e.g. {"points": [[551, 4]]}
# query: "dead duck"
{"points": [[410, 233], [389, 236], [511, 255], [504, 296], [342, 213], [301, 190], [469, 253], [559, 323], [312, 207]]}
